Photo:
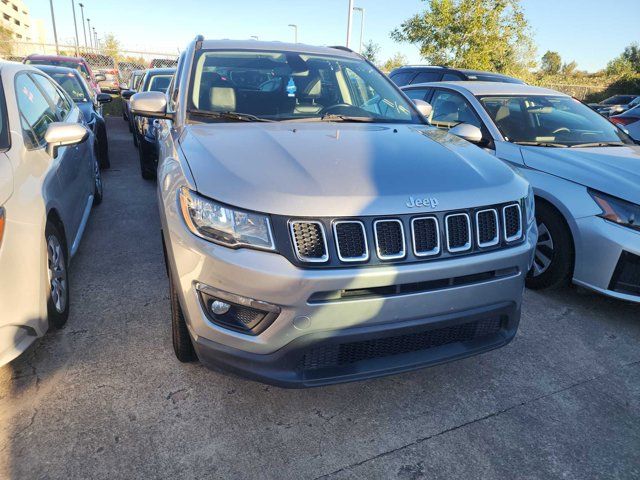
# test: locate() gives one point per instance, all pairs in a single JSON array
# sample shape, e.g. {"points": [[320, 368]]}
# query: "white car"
{"points": [[584, 170], [49, 180], [629, 121]]}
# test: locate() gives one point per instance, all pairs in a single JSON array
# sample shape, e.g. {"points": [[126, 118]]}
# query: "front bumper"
{"points": [[602, 247], [277, 355]]}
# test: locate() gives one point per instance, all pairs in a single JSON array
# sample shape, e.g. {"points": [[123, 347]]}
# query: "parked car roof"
{"points": [[55, 57], [277, 46], [491, 88]]}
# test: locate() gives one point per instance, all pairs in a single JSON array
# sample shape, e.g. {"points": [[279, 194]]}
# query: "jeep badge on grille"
{"points": [[430, 202]]}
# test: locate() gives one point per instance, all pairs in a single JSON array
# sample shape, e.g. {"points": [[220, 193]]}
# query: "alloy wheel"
{"points": [[57, 273], [544, 251]]}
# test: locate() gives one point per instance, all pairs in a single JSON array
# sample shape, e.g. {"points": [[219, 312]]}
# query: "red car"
{"points": [[77, 63]]}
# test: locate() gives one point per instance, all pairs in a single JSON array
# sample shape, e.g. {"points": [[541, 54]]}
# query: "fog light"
{"points": [[219, 308], [235, 312]]}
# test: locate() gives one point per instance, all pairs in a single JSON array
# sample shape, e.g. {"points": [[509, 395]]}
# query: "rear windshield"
{"points": [[285, 85], [61, 63], [72, 85]]}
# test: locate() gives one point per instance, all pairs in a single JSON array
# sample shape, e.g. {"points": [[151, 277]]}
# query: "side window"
{"points": [[59, 100], [450, 109], [402, 78], [424, 77], [451, 77], [35, 111], [417, 93]]}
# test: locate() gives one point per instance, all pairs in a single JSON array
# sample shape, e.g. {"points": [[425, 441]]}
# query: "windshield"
{"points": [[61, 63], [550, 119], [618, 100], [71, 84], [158, 83], [280, 85]]}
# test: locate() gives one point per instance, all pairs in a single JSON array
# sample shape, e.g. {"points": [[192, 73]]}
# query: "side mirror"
{"points": [[124, 86], [60, 134], [470, 133], [127, 94], [150, 105], [100, 77], [423, 107], [103, 98]]}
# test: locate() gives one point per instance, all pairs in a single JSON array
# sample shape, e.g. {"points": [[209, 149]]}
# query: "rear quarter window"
{"points": [[402, 78]]}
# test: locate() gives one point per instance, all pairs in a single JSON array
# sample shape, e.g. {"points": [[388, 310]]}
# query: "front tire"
{"points": [[147, 169], [182, 344], [553, 259], [97, 184], [103, 148], [58, 276]]}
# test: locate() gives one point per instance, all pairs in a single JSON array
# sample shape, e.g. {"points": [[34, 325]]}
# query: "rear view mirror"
{"points": [[103, 98], [470, 133], [150, 104], [100, 77], [60, 134], [423, 107]]}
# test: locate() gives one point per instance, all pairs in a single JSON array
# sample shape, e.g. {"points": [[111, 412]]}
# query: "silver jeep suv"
{"points": [[317, 229]]}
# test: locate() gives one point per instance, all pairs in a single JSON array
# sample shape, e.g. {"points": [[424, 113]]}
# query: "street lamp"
{"points": [[361, 10], [295, 28], [55, 32], [95, 38], [83, 29], [75, 25], [90, 39], [349, 21]]}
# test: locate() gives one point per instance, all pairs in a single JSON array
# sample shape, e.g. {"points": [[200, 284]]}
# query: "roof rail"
{"points": [[418, 65], [199, 39], [340, 47]]}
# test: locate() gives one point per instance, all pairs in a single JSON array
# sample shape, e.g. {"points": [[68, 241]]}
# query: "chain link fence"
{"points": [[117, 68], [581, 92]]}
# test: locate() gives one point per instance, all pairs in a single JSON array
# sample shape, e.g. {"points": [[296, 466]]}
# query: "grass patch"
{"points": [[114, 107]]}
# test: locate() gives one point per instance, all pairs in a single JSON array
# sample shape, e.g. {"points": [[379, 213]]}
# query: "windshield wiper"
{"points": [[542, 144], [598, 144], [332, 117], [237, 116]]}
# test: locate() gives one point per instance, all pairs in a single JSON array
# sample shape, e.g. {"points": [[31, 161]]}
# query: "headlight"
{"points": [[617, 210], [220, 224]]}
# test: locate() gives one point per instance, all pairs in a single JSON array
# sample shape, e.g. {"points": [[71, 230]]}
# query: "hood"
{"points": [[612, 170], [343, 169]]}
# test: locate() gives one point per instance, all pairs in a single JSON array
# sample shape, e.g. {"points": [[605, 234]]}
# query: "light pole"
{"points": [[84, 32], [295, 28], [55, 32], [349, 21], [361, 10], [95, 38], [75, 25], [90, 39]]}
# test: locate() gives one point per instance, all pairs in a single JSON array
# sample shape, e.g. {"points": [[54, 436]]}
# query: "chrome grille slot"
{"points": [[512, 221], [458, 230], [309, 241], [487, 228], [351, 240], [425, 233], [390, 243]]}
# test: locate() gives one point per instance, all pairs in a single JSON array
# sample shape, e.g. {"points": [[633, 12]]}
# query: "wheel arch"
{"points": [[570, 226]]}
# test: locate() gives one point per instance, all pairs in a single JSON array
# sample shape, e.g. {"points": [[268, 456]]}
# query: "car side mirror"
{"points": [[127, 94], [423, 107], [124, 86], [60, 134], [468, 132], [150, 105], [100, 77], [103, 98]]}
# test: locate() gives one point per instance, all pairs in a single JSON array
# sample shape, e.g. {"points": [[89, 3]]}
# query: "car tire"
{"points": [[103, 148], [135, 138], [554, 255], [130, 126], [147, 169], [98, 186], [57, 275], [182, 344]]}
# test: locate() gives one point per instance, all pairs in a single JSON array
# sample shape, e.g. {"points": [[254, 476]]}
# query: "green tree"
{"points": [[632, 55], [111, 46], [620, 67], [551, 63], [371, 51], [569, 69], [483, 34], [396, 61]]}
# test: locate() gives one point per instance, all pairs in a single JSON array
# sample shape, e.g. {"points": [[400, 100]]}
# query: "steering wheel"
{"points": [[561, 129], [330, 108]]}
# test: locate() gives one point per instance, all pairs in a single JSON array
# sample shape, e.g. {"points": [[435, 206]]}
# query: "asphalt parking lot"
{"points": [[105, 397]]}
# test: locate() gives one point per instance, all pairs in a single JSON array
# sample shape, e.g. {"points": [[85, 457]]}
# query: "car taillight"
{"points": [[624, 120]]}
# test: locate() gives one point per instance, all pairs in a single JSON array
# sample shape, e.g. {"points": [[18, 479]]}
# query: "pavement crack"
{"points": [[471, 422]]}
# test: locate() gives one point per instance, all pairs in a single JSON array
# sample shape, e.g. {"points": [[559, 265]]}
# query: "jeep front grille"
{"points": [[389, 239], [458, 229], [426, 236], [512, 220], [351, 240], [487, 228], [309, 241]]}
